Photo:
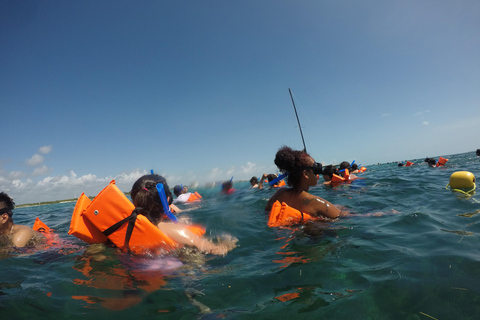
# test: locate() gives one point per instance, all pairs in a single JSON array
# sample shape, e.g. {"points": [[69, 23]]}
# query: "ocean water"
{"points": [[419, 259]]}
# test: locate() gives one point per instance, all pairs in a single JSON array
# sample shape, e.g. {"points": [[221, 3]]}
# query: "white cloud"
{"points": [[384, 115], [215, 174], [16, 175], [45, 149], [41, 171], [249, 167], [35, 160], [425, 123]]}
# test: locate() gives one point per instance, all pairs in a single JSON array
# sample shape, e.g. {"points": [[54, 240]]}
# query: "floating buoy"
{"points": [[461, 180]]}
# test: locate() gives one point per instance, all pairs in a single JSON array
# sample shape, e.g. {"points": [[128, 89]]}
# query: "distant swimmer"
{"points": [[430, 161], [345, 165], [328, 172], [254, 182], [184, 196], [478, 152], [227, 187], [302, 174], [15, 234]]}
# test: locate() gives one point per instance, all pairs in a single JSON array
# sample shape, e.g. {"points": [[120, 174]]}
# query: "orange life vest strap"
{"points": [[408, 164]]}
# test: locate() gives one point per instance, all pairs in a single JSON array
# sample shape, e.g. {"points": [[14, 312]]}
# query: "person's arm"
{"points": [[175, 209], [320, 207], [260, 182], [182, 235]]}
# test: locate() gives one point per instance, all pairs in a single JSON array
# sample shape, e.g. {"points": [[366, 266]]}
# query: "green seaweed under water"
{"points": [[420, 259]]}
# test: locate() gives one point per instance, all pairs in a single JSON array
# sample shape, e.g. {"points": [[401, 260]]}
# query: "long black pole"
{"points": [[299, 126]]}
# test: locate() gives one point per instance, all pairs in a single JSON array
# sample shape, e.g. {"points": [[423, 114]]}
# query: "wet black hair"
{"points": [[287, 160], [344, 165], [145, 195], [330, 171], [272, 177], [6, 204], [254, 180], [354, 166], [478, 152]]}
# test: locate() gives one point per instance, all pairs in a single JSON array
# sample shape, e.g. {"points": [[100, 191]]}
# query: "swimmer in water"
{"points": [[227, 187], [254, 182], [15, 234], [144, 195], [302, 174], [328, 172]]}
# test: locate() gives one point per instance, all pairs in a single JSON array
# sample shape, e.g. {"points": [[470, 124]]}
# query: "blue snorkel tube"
{"points": [[278, 178], [163, 199]]}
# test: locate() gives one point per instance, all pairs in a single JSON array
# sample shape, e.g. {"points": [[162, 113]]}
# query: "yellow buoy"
{"points": [[462, 180]]}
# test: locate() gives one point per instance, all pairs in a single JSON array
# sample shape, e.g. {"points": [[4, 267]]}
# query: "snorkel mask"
{"points": [[317, 168]]}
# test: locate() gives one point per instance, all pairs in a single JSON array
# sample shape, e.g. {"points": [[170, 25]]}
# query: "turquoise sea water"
{"points": [[419, 260]]}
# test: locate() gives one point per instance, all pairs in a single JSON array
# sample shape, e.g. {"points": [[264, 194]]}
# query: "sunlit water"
{"points": [[419, 260]]}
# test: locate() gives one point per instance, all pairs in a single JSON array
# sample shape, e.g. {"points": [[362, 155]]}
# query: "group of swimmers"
{"points": [[298, 168], [301, 170]]}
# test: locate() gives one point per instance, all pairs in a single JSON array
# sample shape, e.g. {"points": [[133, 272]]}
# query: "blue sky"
{"points": [[198, 90]]}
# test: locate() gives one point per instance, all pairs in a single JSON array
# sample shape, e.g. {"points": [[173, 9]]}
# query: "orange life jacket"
{"points": [[195, 196], [114, 216], [362, 169], [81, 227], [337, 178], [408, 164], [281, 183], [283, 215], [441, 161], [52, 238], [39, 226]]}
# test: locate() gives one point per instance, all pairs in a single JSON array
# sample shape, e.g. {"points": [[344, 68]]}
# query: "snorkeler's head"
{"points": [[6, 204], [253, 180], [227, 185], [178, 190], [354, 166], [271, 177], [344, 165], [145, 195], [293, 162], [328, 172]]}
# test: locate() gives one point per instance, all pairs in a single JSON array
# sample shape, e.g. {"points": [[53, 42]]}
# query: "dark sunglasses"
{"points": [[6, 210], [316, 168]]}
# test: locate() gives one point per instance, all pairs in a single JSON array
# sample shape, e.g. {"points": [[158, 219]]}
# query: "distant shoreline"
{"points": [[37, 204]]}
